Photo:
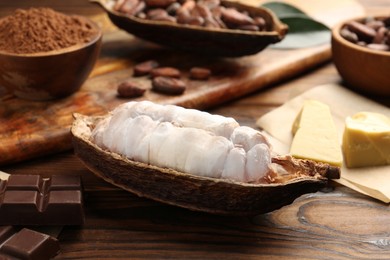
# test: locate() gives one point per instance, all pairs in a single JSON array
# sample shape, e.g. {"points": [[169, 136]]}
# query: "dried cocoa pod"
{"points": [[200, 73], [217, 42], [130, 89], [165, 72], [145, 67], [167, 85], [216, 196]]}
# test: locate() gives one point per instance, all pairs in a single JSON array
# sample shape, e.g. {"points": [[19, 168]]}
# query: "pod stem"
{"points": [[302, 167]]}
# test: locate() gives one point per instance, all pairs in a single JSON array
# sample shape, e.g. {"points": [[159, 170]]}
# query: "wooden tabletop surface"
{"points": [[334, 223]]}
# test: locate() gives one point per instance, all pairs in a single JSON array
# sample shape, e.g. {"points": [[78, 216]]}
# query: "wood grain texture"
{"points": [[231, 79]]}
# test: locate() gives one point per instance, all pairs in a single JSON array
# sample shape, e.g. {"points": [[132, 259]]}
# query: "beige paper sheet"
{"points": [[372, 181], [4, 176]]}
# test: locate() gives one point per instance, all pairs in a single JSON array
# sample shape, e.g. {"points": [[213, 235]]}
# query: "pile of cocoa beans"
{"points": [[165, 80], [205, 13], [373, 33]]}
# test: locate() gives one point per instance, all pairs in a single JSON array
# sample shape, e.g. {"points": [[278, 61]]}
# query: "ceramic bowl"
{"points": [[363, 69], [49, 75]]}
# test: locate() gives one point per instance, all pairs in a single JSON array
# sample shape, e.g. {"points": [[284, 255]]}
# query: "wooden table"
{"points": [[335, 223]]}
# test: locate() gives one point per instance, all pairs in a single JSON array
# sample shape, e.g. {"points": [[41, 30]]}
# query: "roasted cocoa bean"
{"points": [[378, 47], [155, 14], [210, 4], [118, 4], [200, 73], [126, 6], [375, 24], [160, 14], [167, 85], [139, 8], [379, 38], [204, 13], [249, 27], [145, 67], [373, 33], [260, 22], [235, 18], [130, 89], [363, 31], [172, 9], [348, 35], [159, 3], [165, 72]]}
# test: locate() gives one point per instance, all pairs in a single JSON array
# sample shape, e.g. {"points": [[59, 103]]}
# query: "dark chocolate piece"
{"points": [[33, 200], [26, 244]]}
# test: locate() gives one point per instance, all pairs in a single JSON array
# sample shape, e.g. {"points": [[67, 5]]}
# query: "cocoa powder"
{"points": [[42, 30]]}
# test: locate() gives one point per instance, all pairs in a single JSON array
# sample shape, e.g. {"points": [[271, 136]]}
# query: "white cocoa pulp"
{"points": [[186, 140]]}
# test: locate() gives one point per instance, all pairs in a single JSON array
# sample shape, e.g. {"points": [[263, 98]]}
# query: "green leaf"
{"points": [[303, 30], [282, 9]]}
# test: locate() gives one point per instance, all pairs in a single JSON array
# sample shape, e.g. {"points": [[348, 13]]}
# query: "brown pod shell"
{"points": [[217, 196], [203, 40]]}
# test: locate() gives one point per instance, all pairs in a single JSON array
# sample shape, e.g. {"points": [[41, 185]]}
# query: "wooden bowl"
{"points": [[361, 68], [49, 75], [217, 196], [201, 40]]}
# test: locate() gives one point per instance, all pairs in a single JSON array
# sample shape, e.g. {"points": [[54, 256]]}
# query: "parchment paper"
{"points": [[372, 181]]}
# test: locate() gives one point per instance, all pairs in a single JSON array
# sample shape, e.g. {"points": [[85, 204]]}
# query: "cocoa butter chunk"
{"points": [[315, 135], [145, 67], [165, 72], [130, 89], [169, 86], [200, 73], [366, 140]]}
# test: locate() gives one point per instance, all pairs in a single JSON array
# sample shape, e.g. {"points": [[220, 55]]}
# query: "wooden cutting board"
{"points": [[30, 129]]}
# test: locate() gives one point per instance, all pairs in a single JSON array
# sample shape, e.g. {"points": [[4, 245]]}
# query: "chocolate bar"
{"points": [[33, 200], [26, 244]]}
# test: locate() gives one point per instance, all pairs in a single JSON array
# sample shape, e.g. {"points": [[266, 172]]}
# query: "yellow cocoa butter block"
{"points": [[316, 136], [366, 140]]}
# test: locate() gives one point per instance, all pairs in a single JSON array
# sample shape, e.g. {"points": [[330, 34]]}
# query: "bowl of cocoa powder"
{"points": [[361, 54], [45, 54]]}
